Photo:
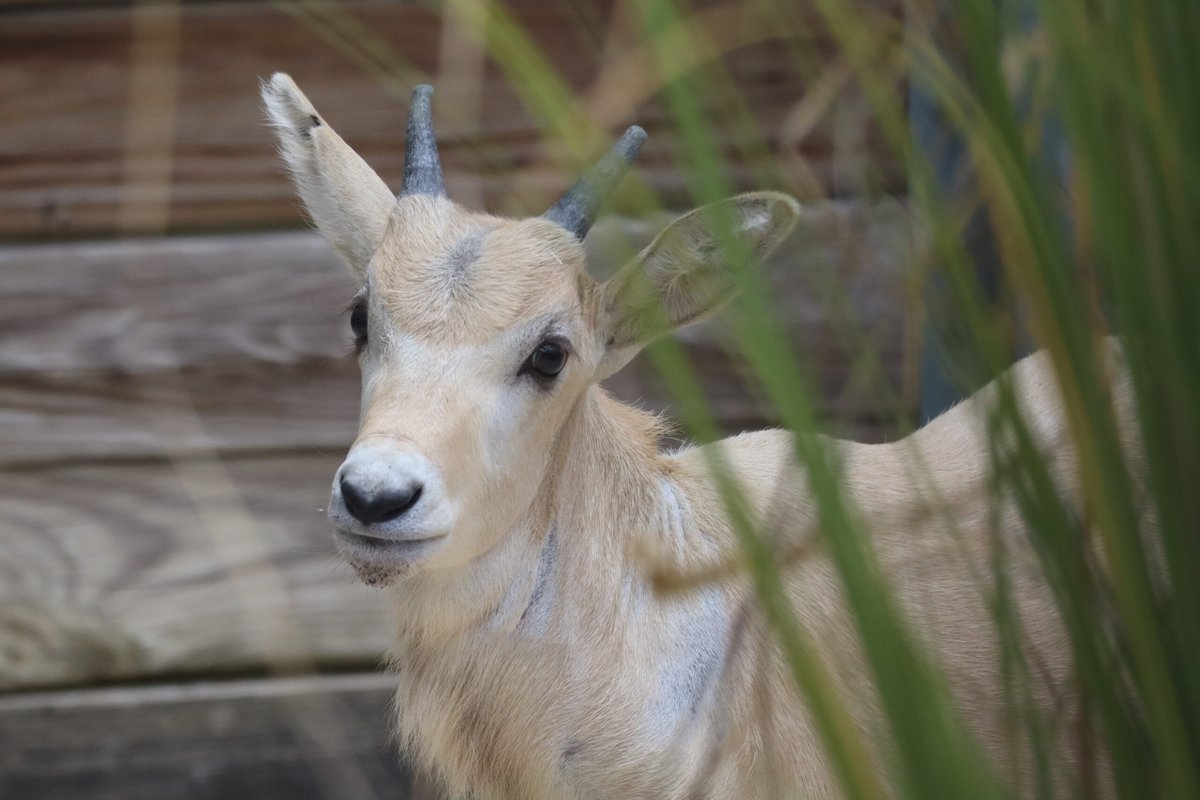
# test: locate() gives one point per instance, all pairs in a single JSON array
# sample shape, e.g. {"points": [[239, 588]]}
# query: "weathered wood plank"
{"points": [[229, 409], [137, 306], [286, 738], [68, 162], [133, 349], [125, 571]]}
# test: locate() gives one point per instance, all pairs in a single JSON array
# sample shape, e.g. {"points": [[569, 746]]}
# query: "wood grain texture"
{"points": [[310, 738], [233, 409], [119, 571], [145, 305], [69, 158]]}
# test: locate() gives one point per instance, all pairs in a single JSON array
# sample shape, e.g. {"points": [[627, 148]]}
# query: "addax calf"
{"points": [[502, 497]]}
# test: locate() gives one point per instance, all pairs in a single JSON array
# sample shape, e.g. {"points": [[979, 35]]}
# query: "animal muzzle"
{"points": [[387, 490]]}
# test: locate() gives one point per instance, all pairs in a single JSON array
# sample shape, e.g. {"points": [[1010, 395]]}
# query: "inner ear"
{"points": [[690, 270]]}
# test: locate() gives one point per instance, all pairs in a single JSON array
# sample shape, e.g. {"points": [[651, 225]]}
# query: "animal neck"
{"points": [[603, 483], [601, 489]]}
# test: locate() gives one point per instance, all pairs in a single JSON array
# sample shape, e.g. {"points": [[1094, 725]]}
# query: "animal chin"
{"points": [[380, 562], [377, 575]]}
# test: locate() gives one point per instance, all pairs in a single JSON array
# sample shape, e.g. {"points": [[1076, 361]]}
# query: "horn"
{"points": [[422, 168], [576, 211]]}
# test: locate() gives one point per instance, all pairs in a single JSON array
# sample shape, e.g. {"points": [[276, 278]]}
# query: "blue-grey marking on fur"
{"points": [[461, 255], [533, 614]]}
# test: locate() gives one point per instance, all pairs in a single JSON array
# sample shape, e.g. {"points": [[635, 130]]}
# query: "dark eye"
{"points": [[546, 361], [358, 325]]}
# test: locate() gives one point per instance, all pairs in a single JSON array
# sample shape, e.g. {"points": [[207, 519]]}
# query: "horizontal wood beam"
{"points": [[318, 737]]}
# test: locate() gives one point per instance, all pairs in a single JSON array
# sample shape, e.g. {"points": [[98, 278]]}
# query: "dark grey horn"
{"points": [[577, 209], [422, 168]]}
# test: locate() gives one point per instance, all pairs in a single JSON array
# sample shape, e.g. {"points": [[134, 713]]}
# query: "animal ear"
{"points": [[346, 200], [690, 270]]}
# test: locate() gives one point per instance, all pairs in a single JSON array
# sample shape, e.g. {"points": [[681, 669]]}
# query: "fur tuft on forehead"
{"points": [[443, 269]]}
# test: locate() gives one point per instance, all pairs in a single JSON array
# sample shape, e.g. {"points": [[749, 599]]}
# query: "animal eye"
{"points": [[358, 325], [547, 360]]}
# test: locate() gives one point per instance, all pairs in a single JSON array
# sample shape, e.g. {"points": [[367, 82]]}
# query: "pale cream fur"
{"points": [[533, 658]]}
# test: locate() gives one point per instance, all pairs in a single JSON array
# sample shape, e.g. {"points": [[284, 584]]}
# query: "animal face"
{"points": [[476, 337], [479, 337]]}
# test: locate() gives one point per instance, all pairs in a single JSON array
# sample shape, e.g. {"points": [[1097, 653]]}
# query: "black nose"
{"points": [[383, 505]]}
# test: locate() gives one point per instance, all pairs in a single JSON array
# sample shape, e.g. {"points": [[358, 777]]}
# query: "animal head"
{"points": [[478, 336]]}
